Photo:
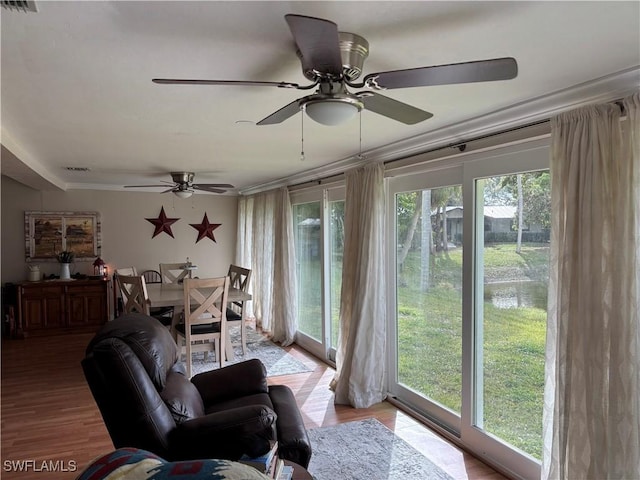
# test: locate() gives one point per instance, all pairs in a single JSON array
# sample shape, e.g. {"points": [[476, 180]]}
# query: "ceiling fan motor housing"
{"points": [[354, 49], [182, 177]]}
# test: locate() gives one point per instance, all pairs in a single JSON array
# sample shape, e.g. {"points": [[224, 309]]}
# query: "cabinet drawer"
{"points": [[41, 291], [84, 289]]}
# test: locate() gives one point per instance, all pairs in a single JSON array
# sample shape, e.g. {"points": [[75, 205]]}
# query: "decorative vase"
{"points": [[64, 271]]}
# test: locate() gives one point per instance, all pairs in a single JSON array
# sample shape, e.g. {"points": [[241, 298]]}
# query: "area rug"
{"points": [[367, 450], [277, 360]]}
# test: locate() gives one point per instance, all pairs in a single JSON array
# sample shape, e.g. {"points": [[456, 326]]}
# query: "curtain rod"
{"points": [[462, 146]]}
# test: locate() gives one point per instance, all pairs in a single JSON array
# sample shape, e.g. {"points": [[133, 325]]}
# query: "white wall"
{"points": [[126, 235]]}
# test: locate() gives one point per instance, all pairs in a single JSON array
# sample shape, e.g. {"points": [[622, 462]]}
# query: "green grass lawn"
{"points": [[430, 343]]}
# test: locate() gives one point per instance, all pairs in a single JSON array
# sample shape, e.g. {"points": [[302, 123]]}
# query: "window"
{"points": [[308, 240], [336, 248], [318, 217], [471, 245], [429, 294], [512, 317]]}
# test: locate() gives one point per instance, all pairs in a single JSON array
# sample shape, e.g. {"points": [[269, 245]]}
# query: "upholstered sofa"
{"points": [[132, 367]]}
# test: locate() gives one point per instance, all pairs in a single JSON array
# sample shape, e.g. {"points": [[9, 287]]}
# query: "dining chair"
{"points": [[135, 298], [153, 276], [205, 318], [174, 272], [134, 294], [117, 296], [239, 278]]}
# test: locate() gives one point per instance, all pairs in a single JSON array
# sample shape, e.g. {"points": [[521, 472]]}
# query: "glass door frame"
{"points": [[325, 194], [506, 160], [463, 169], [444, 417]]}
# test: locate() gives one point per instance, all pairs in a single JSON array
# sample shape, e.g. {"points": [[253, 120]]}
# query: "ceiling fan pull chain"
{"points": [[302, 137], [360, 157]]}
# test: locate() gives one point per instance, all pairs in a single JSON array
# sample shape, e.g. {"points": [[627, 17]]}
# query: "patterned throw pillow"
{"points": [[135, 464]]}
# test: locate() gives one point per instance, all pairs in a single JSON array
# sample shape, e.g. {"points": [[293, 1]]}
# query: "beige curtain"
{"points": [[360, 378], [266, 245], [284, 272], [244, 235], [592, 385]]}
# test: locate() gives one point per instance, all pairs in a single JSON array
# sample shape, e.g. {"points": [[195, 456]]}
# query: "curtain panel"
{"points": [[592, 382], [360, 378], [266, 245]]}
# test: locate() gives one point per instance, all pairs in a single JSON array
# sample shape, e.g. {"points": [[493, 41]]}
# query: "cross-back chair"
{"points": [[117, 296], [239, 277], [205, 318], [129, 271], [174, 272], [134, 294], [133, 289]]}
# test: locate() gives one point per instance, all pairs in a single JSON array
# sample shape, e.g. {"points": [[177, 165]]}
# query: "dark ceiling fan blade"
{"points": [[208, 189], [467, 72], [213, 185], [281, 115], [318, 44], [169, 190], [242, 83], [142, 186], [393, 109]]}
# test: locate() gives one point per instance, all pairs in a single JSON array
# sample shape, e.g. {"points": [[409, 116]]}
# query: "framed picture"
{"points": [[48, 233]]}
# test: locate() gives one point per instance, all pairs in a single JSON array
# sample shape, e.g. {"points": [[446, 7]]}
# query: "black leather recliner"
{"points": [[133, 369]]}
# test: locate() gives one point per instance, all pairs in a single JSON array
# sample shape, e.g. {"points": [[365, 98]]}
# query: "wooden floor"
{"points": [[48, 413]]}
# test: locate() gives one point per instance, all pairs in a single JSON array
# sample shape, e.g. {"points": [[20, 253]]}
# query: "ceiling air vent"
{"points": [[20, 5]]}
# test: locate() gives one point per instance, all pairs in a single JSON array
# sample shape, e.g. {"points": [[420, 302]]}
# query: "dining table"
{"points": [[172, 295]]}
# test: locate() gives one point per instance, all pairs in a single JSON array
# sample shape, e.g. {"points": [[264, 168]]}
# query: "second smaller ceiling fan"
{"points": [[184, 187]]}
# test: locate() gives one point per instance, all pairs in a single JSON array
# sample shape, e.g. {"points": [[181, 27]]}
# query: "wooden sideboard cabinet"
{"points": [[60, 306]]}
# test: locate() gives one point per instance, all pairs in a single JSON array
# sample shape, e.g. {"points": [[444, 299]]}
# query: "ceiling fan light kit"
{"points": [[332, 60], [183, 193], [332, 110]]}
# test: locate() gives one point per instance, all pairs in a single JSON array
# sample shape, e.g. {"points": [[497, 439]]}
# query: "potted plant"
{"points": [[65, 258]]}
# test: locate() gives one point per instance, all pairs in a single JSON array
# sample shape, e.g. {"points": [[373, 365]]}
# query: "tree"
{"points": [[520, 213], [495, 193], [537, 190], [427, 244], [535, 187], [441, 198], [415, 209]]}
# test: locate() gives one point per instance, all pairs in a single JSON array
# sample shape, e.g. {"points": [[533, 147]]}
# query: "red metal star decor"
{"points": [[162, 223], [205, 229]]}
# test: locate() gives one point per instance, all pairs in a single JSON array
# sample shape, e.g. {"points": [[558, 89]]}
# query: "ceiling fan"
{"points": [[184, 187], [333, 60]]}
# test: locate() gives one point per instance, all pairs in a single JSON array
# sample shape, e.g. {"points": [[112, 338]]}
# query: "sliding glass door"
{"points": [[336, 249], [307, 221], [512, 255], [429, 294], [471, 247], [318, 218]]}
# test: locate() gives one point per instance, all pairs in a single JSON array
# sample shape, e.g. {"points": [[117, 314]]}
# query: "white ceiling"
{"points": [[77, 90]]}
